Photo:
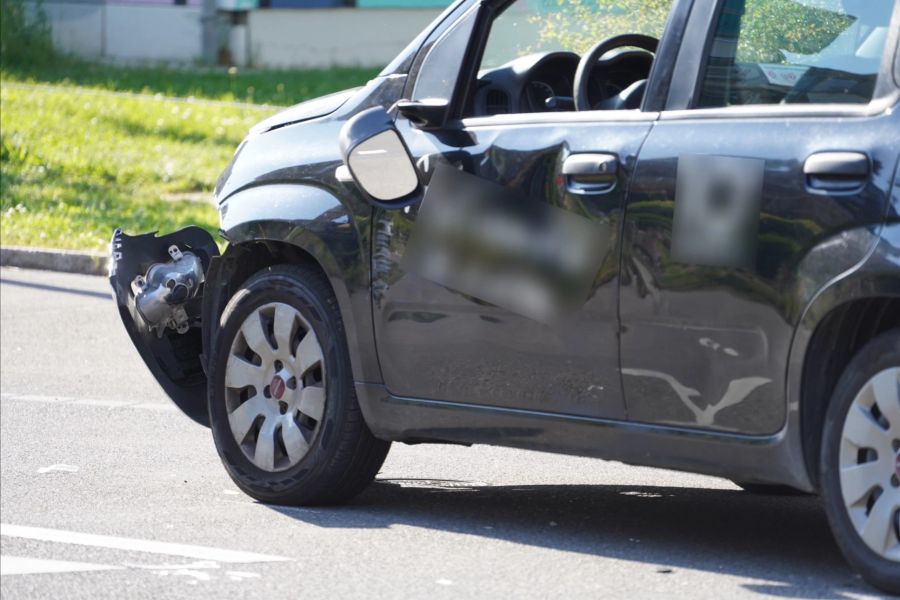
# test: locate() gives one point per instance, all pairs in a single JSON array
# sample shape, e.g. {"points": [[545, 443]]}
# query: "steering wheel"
{"points": [[633, 93]]}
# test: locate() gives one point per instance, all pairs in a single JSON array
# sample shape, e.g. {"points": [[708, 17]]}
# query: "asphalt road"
{"points": [[107, 491]]}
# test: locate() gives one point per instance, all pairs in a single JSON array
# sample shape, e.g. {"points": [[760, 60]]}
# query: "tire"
{"points": [[768, 489], [301, 445], [855, 434]]}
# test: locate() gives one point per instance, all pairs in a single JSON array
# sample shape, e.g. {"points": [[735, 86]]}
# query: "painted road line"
{"points": [[135, 545], [100, 403], [20, 565], [94, 402], [34, 398]]}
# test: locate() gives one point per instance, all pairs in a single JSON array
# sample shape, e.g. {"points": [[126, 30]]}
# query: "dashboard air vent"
{"points": [[497, 102]]}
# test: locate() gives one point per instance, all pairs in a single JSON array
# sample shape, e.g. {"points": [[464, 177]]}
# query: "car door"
{"points": [[479, 343], [777, 147]]}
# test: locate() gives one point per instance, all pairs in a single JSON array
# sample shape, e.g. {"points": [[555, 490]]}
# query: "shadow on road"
{"points": [[56, 288], [784, 541]]}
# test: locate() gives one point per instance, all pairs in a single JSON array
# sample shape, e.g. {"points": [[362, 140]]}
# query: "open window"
{"points": [[533, 58]]}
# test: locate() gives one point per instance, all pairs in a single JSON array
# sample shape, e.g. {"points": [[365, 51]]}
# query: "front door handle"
{"points": [[840, 172], [590, 173]]}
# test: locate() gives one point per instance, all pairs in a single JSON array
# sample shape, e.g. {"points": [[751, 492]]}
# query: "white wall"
{"points": [[77, 28], [328, 37], [123, 32], [153, 33], [278, 38]]}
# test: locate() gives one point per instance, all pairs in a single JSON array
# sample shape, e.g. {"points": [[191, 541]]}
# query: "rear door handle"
{"points": [[590, 173], [841, 172]]}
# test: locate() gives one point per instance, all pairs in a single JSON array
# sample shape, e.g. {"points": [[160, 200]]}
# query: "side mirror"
{"points": [[378, 158]]}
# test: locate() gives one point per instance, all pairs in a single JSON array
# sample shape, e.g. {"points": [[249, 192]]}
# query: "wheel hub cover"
{"points": [[277, 387], [869, 465]]}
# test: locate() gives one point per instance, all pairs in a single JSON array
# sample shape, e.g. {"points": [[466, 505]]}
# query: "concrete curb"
{"points": [[67, 261]]}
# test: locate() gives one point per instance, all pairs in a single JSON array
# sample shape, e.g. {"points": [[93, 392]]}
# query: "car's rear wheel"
{"points": [[282, 407], [860, 462]]}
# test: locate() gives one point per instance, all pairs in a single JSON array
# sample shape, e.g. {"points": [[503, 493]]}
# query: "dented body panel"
{"points": [[314, 220]]}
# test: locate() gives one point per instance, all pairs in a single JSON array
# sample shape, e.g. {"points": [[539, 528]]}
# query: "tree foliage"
{"points": [[577, 25], [771, 26], [24, 34], [768, 26]]}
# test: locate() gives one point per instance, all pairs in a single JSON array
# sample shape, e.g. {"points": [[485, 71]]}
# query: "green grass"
{"points": [[75, 163], [240, 85]]}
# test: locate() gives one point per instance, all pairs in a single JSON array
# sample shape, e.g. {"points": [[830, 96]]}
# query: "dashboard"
{"points": [[544, 82]]}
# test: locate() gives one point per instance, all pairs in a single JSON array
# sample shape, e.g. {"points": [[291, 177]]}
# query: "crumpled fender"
{"points": [[314, 220]]}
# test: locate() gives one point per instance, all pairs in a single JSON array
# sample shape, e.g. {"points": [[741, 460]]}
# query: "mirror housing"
{"points": [[377, 158], [430, 113]]}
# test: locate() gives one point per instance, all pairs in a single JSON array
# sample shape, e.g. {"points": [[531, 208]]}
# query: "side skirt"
{"points": [[775, 459]]}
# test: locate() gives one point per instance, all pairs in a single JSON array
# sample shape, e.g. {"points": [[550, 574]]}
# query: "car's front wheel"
{"points": [[860, 462], [283, 412]]}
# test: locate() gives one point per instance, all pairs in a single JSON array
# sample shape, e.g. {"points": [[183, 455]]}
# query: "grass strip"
{"points": [[75, 165]]}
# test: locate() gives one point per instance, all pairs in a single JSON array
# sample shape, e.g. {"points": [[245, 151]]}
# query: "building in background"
{"points": [[260, 33]]}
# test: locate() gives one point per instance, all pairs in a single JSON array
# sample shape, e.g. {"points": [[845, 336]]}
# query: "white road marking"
{"points": [[58, 468], [241, 575], [34, 398], [135, 545], [20, 565], [163, 406], [109, 404], [99, 402], [200, 564]]}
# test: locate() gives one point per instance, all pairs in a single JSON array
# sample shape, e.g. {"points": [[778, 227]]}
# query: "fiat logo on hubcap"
{"points": [[277, 387]]}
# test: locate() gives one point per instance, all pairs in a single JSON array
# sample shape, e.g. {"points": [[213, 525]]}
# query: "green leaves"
{"points": [[770, 26], [24, 34], [767, 27], [577, 25]]}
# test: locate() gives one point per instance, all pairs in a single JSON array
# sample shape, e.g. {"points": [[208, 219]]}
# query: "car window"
{"points": [[440, 69], [534, 47], [533, 26], [795, 52]]}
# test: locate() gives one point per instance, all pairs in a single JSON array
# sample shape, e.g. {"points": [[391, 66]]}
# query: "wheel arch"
{"points": [[294, 224], [835, 326]]}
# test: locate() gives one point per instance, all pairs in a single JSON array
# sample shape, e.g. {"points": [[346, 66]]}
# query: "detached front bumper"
{"points": [[158, 284]]}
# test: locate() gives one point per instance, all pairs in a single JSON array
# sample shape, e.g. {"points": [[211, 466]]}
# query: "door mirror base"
{"points": [[430, 113]]}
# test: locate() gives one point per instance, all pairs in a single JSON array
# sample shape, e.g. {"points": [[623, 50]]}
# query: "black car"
{"points": [[663, 233]]}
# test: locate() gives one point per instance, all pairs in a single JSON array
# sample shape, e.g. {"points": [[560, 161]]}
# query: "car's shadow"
{"points": [[781, 540]]}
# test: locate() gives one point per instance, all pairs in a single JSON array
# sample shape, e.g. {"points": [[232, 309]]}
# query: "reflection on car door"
{"points": [[440, 342], [723, 230]]}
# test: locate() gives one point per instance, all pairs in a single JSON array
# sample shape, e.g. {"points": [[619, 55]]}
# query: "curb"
{"points": [[45, 259]]}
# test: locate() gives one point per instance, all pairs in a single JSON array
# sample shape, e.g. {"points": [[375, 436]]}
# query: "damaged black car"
{"points": [[665, 233]]}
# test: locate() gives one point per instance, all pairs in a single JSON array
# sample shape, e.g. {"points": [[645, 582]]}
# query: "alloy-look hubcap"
{"points": [[869, 463], [275, 386]]}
